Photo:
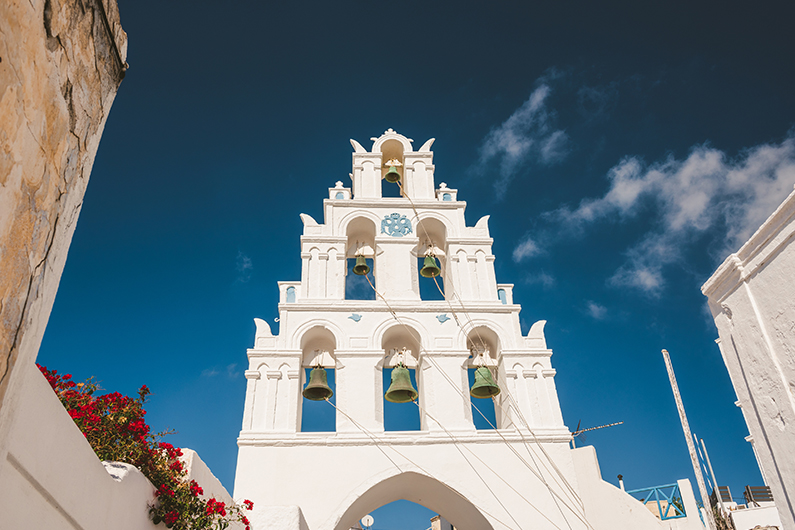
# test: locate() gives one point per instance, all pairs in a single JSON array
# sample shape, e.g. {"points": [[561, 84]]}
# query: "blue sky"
{"points": [[622, 149]]}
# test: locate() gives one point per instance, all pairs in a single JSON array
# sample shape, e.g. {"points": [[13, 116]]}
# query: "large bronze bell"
{"points": [[484, 385], [401, 390], [430, 269], [392, 175], [317, 388], [361, 268]]}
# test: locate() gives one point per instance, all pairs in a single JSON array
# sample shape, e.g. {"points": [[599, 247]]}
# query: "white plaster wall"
{"points": [[750, 518], [51, 477], [609, 508], [353, 464], [752, 299]]}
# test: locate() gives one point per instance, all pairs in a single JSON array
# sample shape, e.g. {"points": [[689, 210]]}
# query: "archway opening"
{"points": [[317, 347], [392, 153], [361, 242], [401, 515], [484, 347], [415, 488], [401, 345], [432, 236]]}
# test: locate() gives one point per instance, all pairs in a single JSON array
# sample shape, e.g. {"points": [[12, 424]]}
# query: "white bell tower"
{"points": [[520, 475]]}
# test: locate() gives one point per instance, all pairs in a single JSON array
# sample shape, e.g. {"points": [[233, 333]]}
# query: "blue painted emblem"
{"points": [[355, 317], [442, 318], [395, 225]]}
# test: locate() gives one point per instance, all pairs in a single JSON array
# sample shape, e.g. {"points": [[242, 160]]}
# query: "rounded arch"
{"points": [[431, 230], [353, 216], [317, 347], [360, 232], [499, 336], [387, 138], [450, 228], [383, 329], [416, 487], [297, 340]]}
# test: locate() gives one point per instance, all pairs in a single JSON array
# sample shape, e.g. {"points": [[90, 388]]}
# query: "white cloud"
{"points": [[527, 248], [546, 280], [525, 136], [706, 190], [243, 266], [599, 312]]}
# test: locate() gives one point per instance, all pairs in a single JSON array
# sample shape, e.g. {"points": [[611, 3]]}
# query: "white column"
{"points": [[555, 415], [252, 376], [270, 401], [359, 391], [449, 407], [396, 268], [293, 396]]}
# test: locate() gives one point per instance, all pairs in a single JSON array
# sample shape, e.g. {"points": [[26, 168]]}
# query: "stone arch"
{"points": [[414, 486]]}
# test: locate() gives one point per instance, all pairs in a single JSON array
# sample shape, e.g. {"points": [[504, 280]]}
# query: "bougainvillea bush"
{"points": [[114, 426]]}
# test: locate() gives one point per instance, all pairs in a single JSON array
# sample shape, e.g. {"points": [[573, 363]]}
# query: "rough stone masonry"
{"points": [[61, 63]]}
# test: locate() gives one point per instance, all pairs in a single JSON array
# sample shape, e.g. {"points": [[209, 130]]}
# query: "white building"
{"points": [[752, 299], [522, 475]]}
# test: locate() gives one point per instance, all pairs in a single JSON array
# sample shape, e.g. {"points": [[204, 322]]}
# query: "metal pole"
{"points": [[714, 480], [702, 488]]}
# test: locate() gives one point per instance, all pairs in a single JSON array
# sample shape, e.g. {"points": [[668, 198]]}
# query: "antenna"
{"points": [[578, 433]]}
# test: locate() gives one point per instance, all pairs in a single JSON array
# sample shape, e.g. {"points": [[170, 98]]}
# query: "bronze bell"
{"points": [[401, 390], [392, 175], [361, 268], [484, 385], [317, 388], [430, 269]]}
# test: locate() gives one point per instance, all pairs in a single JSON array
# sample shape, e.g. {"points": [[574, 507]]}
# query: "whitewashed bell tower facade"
{"points": [[519, 476]]}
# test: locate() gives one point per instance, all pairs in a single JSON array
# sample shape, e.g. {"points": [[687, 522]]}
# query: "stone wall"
{"points": [[61, 63]]}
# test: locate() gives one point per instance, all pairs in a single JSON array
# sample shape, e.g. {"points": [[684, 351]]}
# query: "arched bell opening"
{"points": [[318, 364], [431, 252], [401, 386], [482, 371], [392, 168], [417, 488], [360, 262]]}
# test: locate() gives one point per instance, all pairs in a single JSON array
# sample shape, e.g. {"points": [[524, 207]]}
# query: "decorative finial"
{"points": [[392, 163], [442, 185], [338, 185]]}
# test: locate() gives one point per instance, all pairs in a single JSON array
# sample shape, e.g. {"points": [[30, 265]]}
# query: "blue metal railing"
{"points": [[668, 499]]}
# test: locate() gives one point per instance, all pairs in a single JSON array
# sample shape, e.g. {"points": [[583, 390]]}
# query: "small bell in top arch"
{"points": [[430, 269], [317, 388], [361, 268], [484, 385], [392, 175]]}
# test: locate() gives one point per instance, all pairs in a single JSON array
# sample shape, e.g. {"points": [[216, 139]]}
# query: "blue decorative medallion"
{"points": [[442, 318], [395, 225]]}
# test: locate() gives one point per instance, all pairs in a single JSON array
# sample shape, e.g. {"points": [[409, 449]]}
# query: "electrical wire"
{"points": [[538, 475], [375, 440], [577, 498], [455, 442]]}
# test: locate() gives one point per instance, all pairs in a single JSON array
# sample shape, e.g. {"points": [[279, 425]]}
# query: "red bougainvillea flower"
{"points": [[248, 504], [171, 517], [114, 426]]}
